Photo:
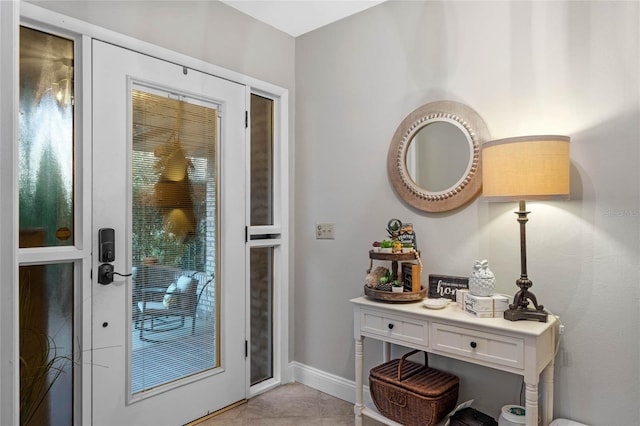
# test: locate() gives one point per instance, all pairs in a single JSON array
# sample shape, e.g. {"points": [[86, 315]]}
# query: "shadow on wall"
{"points": [[603, 230]]}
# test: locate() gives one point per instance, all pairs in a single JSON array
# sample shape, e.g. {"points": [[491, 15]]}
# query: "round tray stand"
{"points": [[394, 258]]}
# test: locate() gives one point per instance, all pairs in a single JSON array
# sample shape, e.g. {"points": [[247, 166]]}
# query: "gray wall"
{"points": [[528, 68]]}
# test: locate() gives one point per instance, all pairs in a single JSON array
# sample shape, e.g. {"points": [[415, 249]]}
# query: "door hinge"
{"points": [[246, 234], [246, 119], [246, 349]]}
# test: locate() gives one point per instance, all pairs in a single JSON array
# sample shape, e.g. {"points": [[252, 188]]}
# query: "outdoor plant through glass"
{"points": [[46, 137], [46, 344], [46, 206]]}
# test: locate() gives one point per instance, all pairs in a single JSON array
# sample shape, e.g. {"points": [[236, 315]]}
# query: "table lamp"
{"points": [[525, 168]]}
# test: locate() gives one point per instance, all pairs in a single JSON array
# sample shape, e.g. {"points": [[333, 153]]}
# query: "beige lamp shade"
{"points": [[526, 168]]}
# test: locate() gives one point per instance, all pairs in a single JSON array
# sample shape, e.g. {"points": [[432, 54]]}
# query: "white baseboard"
{"points": [[330, 384]]}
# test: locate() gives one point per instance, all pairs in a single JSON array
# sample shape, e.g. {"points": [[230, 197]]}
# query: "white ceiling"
{"points": [[296, 17]]}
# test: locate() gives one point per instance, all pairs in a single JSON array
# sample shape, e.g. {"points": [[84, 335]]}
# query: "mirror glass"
{"points": [[438, 156]]}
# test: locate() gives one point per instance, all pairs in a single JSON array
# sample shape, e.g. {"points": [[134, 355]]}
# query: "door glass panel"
{"points": [[46, 139], [261, 161], [175, 327], [261, 259], [46, 344]]}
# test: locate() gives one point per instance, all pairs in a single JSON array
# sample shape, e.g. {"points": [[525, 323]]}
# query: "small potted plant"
{"points": [[396, 286], [386, 246], [407, 247], [384, 282]]}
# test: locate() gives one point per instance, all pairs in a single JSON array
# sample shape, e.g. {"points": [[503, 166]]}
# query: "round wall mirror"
{"points": [[434, 157]]}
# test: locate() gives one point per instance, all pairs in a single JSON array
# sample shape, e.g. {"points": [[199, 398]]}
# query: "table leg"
{"points": [[386, 351], [531, 403], [357, 409], [547, 398]]}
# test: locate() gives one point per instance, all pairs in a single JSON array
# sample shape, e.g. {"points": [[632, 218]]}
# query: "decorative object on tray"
{"points": [[411, 393], [393, 228], [446, 285], [386, 246], [410, 276], [372, 277], [402, 232], [385, 282], [400, 238], [482, 282], [407, 236]]}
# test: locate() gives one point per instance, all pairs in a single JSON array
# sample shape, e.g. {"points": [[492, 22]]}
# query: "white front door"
{"points": [[168, 342]]}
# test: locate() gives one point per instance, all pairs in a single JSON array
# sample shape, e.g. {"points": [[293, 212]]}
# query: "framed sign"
{"points": [[446, 286], [408, 236], [411, 276]]}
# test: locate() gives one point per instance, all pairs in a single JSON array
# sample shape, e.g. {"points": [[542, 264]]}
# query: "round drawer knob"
{"points": [[390, 326], [473, 345]]}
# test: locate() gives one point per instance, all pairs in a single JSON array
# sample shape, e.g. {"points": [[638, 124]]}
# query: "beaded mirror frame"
{"points": [[470, 183]]}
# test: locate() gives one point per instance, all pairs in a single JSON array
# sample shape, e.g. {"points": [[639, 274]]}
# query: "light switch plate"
{"points": [[325, 231]]}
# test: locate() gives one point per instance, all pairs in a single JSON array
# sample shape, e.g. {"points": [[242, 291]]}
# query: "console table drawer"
{"points": [[396, 328], [479, 346]]}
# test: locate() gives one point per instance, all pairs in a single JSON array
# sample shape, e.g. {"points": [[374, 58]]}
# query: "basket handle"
{"points": [[405, 356]]}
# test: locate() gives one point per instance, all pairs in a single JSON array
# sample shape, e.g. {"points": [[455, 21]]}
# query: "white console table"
{"points": [[525, 348]]}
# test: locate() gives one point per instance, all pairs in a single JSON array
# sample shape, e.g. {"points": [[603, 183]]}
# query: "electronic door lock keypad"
{"points": [[106, 245], [106, 255]]}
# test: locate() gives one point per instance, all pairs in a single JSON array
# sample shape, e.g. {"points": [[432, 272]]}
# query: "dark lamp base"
{"points": [[525, 314]]}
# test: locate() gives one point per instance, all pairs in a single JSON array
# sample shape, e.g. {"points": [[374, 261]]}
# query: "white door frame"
{"points": [[12, 14], [9, 344], [282, 371]]}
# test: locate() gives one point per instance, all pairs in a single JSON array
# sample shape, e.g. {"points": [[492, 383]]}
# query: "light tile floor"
{"points": [[293, 404]]}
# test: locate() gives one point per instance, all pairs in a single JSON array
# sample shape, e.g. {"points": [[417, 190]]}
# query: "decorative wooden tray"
{"points": [[394, 257], [391, 297]]}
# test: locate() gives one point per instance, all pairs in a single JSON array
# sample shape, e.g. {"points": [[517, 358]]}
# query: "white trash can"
{"points": [[512, 415]]}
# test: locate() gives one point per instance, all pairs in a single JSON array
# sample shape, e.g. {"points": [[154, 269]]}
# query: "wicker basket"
{"points": [[412, 394]]}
